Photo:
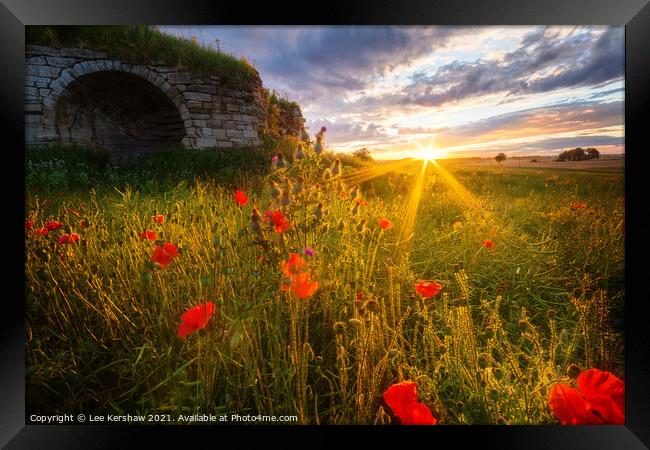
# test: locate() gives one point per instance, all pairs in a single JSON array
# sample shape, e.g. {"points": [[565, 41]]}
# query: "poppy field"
{"points": [[402, 292]]}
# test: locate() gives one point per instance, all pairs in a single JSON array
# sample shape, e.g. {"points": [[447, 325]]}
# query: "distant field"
{"points": [[608, 164]]}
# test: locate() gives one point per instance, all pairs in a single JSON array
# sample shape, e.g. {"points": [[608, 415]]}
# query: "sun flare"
{"points": [[430, 152]]}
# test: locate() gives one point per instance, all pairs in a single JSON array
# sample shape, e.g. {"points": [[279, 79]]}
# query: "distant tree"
{"points": [[577, 154], [592, 153], [500, 157], [363, 154]]}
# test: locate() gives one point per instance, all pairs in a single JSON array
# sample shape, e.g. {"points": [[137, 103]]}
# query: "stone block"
{"points": [[60, 62], [179, 78], [232, 108], [41, 50], [234, 133], [204, 142], [77, 52], [219, 133], [199, 96], [33, 108], [224, 144], [250, 134]]}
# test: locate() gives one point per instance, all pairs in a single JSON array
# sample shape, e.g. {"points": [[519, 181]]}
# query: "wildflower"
{"points": [[158, 218], [83, 223], [302, 286], [354, 193], [53, 225], [599, 399], [488, 244], [286, 197], [403, 401], [355, 209], [281, 224], [309, 251], [148, 234], [196, 318], [298, 186], [279, 162], [299, 153], [28, 224], [294, 266], [303, 134], [428, 289], [361, 226], [359, 296], [68, 239], [319, 212], [241, 198], [358, 201], [583, 205], [385, 224], [456, 225], [320, 134], [275, 191], [254, 225], [165, 254], [267, 216], [336, 168], [318, 147], [42, 231]]}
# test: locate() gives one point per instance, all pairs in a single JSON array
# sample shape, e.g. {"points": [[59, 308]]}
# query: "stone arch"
{"points": [[127, 109]]}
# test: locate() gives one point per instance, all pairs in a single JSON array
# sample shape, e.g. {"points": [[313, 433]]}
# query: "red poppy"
{"points": [[267, 216], [362, 202], [158, 218], [281, 224], [359, 296], [488, 244], [196, 318], [29, 224], [385, 224], [150, 235], [53, 225], [402, 399], [68, 239], [583, 205], [302, 285], [241, 198], [428, 288], [41, 231], [294, 266], [599, 400], [165, 254], [83, 223]]}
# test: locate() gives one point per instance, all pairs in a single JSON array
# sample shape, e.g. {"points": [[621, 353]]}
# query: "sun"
{"points": [[430, 152]]}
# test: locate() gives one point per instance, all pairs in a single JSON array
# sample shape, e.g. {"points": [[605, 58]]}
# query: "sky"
{"points": [[465, 91]]}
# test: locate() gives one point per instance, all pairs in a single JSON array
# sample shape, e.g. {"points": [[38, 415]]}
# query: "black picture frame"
{"points": [[633, 14]]}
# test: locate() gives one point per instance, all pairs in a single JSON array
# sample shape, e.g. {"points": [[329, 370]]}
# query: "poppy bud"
{"points": [[393, 353], [456, 266], [372, 306], [523, 325], [318, 361], [483, 361], [340, 224], [498, 373], [354, 323], [551, 314], [573, 371], [489, 332], [459, 404], [339, 327], [442, 349]]}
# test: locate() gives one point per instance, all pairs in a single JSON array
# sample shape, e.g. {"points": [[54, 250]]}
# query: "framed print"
{"points": [[396, 220]]}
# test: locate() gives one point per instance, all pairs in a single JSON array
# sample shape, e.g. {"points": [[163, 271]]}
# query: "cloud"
{"points": [[560, 118], [590, 57]]}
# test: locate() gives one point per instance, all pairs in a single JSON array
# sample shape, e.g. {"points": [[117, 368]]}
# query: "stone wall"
{"points": [[81, 96]]}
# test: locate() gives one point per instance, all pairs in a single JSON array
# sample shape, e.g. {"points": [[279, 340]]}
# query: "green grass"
{"points": [[507, 325], [141, 44]]}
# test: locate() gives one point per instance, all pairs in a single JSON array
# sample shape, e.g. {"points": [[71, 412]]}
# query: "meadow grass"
{"points": [[102, 320], [139, 44]]}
